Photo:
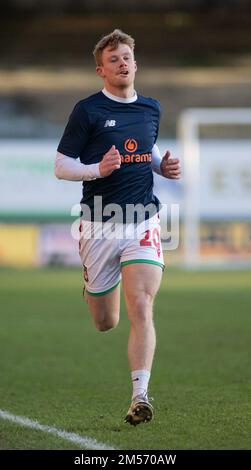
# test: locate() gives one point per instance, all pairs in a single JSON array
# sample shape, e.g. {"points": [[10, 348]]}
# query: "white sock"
{"points": [[140, 379]]}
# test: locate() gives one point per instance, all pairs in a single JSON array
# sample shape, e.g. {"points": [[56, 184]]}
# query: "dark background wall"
{"points": [[119, 5], [192, 32], [189, 53]]}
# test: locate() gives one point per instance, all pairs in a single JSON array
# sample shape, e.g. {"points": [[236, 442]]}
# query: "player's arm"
{"points": [[71, 169], [166, 166]]}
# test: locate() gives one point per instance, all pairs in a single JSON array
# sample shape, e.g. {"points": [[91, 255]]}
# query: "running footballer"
{"points": [[109, 143]]}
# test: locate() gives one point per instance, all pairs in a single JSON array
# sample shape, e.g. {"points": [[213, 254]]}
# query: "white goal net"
{"points": [[217, 187]]}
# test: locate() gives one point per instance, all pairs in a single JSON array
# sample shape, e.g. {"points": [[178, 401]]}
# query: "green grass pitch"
{"points": [[57, 369]]}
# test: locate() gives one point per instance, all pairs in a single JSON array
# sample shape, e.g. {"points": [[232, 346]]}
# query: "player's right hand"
{"points": [[111, 161]]}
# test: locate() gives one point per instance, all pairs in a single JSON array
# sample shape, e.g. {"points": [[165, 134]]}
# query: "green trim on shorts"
{"points": [[104, 292], [148, 261]]}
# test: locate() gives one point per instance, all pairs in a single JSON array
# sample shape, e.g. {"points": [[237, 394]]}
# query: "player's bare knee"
{"points": [[140, 309], [141, 303], [106, 322], [101, 326], [106, 325]]}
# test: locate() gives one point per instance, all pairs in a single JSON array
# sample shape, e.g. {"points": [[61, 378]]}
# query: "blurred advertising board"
{"points": [[56, 246], [38, 245], [225, 179], [18, 245], [28, 187]]}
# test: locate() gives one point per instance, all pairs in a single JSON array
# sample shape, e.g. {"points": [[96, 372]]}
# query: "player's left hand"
{"points": [[170, 167]]}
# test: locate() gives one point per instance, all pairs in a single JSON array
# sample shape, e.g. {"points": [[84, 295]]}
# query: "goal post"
{"points": [[188, 127]]}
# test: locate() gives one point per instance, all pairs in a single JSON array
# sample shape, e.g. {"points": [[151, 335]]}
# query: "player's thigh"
{"points": [[141, 282], [101, 273], [105, 308]]}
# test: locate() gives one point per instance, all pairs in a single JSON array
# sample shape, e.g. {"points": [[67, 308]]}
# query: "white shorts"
{"points": [[104, 251]]}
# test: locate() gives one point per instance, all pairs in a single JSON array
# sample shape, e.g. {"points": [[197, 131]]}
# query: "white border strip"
{"points": [[82, 441]]}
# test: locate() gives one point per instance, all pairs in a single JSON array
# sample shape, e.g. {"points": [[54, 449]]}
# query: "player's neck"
{"points": [[118, 98], [121, 92]]}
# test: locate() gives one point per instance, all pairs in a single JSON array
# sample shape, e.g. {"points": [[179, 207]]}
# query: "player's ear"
{"points": [[100, 71], [135, 65]]}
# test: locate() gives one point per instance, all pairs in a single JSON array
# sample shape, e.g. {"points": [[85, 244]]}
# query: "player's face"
{"points": [[118, 67]]}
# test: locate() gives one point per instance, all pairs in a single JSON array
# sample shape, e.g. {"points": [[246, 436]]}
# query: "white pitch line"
{"points": [[83, 441]]}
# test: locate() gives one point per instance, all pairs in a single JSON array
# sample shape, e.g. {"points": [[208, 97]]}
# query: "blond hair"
{"points": [[113, 40]]}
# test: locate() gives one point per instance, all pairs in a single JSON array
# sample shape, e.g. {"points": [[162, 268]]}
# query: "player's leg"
{"points": [[141, 282], [101, 272], [105, 309]]}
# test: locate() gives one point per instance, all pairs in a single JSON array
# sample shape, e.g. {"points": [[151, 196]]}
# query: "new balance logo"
{"points": [[110, 123]]}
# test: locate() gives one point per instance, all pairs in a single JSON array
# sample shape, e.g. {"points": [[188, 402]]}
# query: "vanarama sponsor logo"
{"points": [[136, 158], [131, 146]]}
